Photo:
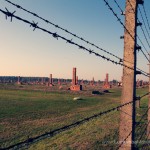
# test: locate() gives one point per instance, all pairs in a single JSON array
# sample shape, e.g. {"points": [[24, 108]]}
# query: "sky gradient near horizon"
{"points": [[25, 52]]}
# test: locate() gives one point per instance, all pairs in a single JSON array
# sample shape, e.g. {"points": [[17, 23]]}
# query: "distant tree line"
{"points": [[14, 79]]}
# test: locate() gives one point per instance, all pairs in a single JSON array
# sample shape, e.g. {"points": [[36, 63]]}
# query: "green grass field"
{"points": [[27, 113]]}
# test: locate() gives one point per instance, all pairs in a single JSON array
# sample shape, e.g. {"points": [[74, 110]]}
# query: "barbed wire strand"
{"points": [[65, 30], [67, 127], [141, 127], [145, 129], [144, 22], [118, 6], [119, 20], [120, 59], [18, 6], [142, 31], [138, 21], [148, 141], [146, 17], [122, 142], [137, 35], [144, 95], [142, 117], [57, 26], [137, 124], [55, 35]]}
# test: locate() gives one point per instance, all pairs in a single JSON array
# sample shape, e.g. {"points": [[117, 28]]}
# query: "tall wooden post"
{"points": [[127, 122]]}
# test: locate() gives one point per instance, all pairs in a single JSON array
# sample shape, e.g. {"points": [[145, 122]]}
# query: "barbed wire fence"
{"points": [[69, 41], [121, 61], [73, 125]]}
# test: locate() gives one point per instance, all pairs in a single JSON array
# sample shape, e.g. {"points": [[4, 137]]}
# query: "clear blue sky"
{"points": [[28, 53]]}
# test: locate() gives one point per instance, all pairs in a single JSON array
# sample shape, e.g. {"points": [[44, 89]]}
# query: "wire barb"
{"points": [[146, 17], [69, 41], [34, 25], [55, 35], [9, 14]]}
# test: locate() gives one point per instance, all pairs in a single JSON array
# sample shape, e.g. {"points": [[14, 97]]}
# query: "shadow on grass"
{"points": [[144, 107], [106, 91]]}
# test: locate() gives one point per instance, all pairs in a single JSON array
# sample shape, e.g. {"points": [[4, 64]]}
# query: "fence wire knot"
{"points": [[18, 6], [55, 35], [90, 51], [81, 47], [9, 14], [69, 41], [34, 25]]}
